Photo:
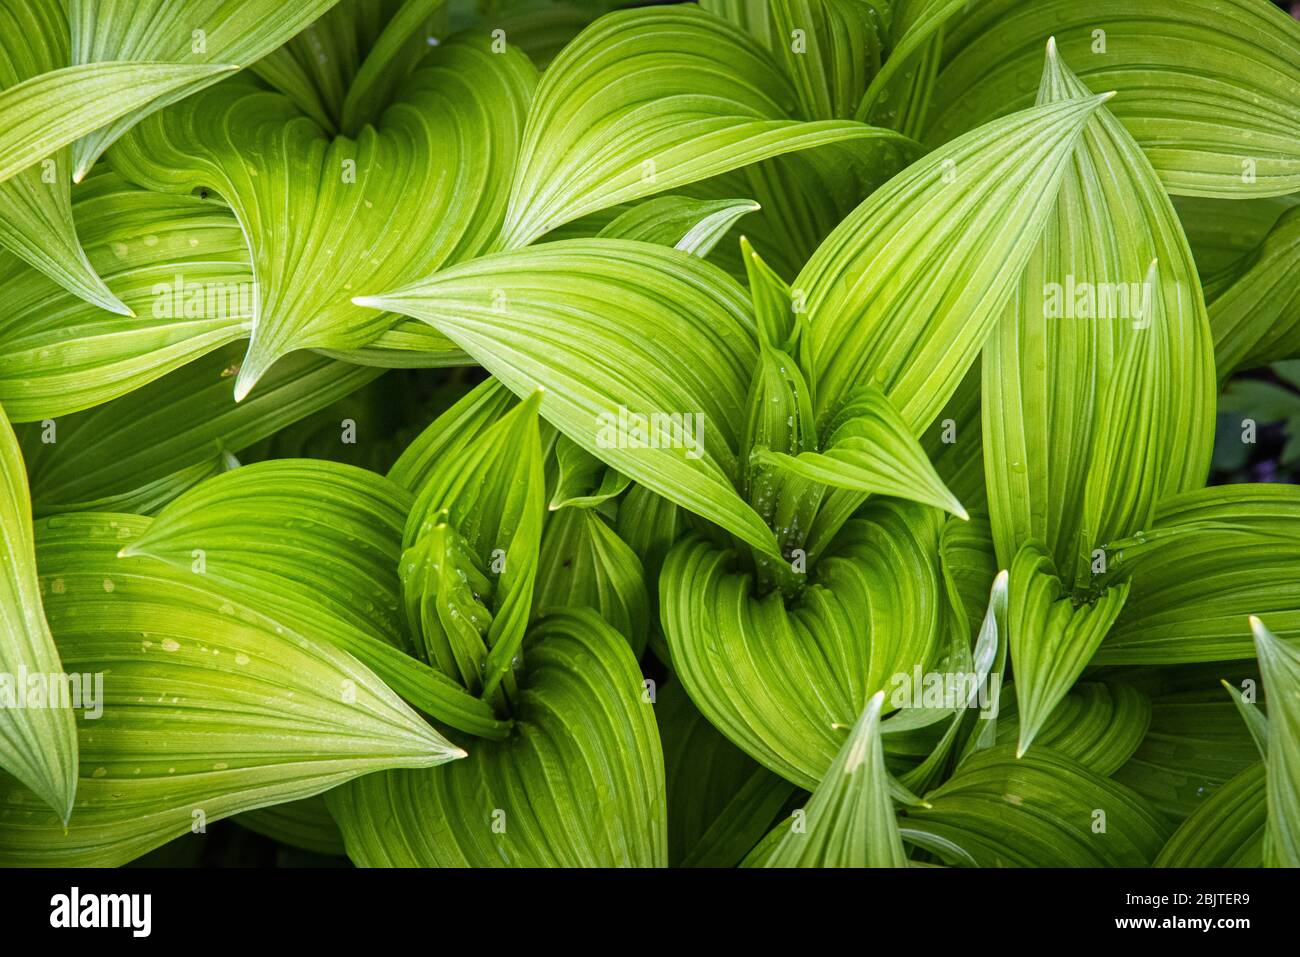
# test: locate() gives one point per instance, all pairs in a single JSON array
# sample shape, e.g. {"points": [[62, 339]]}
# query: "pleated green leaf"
{"points": [[38, 739], [1194, 745], [581, 479], [185, 424], [1227, 830], [899, 95], [36, 204], [784, 684], [692, 225], [720, 801], [803, 196], [1209, 88], [1042, 809], [1052, 639], [1100, 725], [619, 115], [1224, 233], [829, 48], [208, 707], [584, 564], [1280, 665], [345, 68], [530, 318], [315, 546], [974, 676], [305, 824], [1212, 558], [449, 435], [1255, 720], [906, 289], [328, 216], [870, 449], [46, 113], [202, 35], [1099, 381], [850, 820], [579, 784], [1256, 315], [179, 262]]}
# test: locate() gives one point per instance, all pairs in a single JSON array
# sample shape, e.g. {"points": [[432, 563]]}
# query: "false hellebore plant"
{"points": [[766, 433]]}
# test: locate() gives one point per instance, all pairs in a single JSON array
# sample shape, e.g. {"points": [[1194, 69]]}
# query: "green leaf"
{"points": [[1195, 743], [315, 546], [803, 196], [618, 116], [325, 216], [36, 204], [43, 114], [329, 533], [1227, 830], [470, 552], [692, 225], [829, 48], [1099, 381], [773, 306], [970, 212], [174, 428], [305, 824], [226, 33], [582, 480], [584, 564], [38, 739], [899, 95], [1042, 809], [954, 444], [1052, 639], [871, 450], [720, 801], [579, 784], [784, 683], [149, 498], [1210, 89], [526, 317], [449, 435], [1212, 557], [209, 708], [1255, 720], [1223, 233], [178, 261], [345, 68], [1099, 724], [1256, 318], [1280, 665], [780, 423], [973, 675], [850, 819]]}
